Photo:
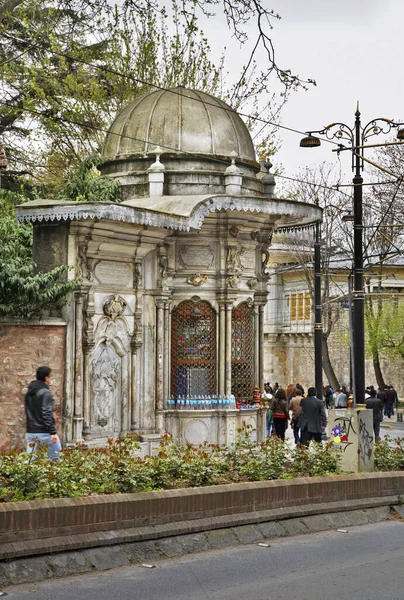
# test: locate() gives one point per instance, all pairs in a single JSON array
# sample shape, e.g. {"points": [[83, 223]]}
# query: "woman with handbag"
{"points": [[280, 415]]}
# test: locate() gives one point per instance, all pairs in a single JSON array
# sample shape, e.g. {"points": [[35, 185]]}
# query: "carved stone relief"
{"points": [[197, 279], [233, 259], [115, 307], [247, 258], [233, 281], [196, 256], [252, 283], [114, 273], [112, 342]]}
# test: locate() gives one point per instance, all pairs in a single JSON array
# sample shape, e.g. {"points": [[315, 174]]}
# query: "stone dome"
{"points": [[181, 121]]}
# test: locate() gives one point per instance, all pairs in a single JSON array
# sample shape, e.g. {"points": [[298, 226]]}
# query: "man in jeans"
{"points": [[41, 425]]}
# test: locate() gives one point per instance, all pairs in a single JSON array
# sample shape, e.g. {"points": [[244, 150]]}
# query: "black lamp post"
{"points": [[356, 137], [318, 317]]}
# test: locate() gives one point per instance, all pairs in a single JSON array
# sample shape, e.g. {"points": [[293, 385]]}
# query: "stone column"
{"points": [[86, 394], [167, 354], [256, 346], [229, 306], [78, 372], [261, 316], [222, 347], [133, 386], [159, 355]]}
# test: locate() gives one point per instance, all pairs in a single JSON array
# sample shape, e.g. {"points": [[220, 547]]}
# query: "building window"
{"points": [[193, 349], [242, 353], [299, 305]]}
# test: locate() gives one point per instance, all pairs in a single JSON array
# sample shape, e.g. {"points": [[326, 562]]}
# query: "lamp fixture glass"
{"points": [[400, 134], [310, 141]]}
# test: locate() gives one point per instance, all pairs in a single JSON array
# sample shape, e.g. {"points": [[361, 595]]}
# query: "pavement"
{"points": [[362, 563]]}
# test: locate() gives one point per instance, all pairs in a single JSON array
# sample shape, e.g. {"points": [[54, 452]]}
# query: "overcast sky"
{"points": [[354, 51]]}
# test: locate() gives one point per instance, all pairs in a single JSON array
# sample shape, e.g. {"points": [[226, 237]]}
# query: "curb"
{"points": [[167, 545]]}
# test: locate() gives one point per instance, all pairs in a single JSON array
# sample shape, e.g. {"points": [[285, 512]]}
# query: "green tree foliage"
{"points": [[87, 184], [68, 67], [23, 292]]}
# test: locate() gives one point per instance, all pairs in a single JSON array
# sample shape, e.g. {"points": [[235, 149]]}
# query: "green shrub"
{"points": [[118, 467]]}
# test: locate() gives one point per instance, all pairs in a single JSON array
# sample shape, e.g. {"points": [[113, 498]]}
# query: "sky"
{"points": [[354, 51]]}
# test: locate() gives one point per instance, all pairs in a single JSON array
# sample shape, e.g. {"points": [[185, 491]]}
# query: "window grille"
{"points": [[242, 357], [193, 349]]}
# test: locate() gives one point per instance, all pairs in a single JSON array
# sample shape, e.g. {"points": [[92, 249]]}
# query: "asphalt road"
{"points": [[364, 564]]}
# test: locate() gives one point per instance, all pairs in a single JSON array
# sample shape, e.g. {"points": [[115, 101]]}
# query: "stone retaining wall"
{"points": [[40, 527]]}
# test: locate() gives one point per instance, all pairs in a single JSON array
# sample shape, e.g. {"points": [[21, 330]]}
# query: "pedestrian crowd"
{"points": [[306, 413]]}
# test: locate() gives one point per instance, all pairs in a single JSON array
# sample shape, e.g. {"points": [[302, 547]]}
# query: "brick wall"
{"points": [[24, 348], [44, 526]]}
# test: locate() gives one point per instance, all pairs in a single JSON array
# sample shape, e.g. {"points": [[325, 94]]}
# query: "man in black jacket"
{"points": [[41, 426], [312, 420]]}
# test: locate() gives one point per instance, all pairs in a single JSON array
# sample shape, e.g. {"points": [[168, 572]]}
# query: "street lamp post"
{"points": [[318, 316], [356, 136]]}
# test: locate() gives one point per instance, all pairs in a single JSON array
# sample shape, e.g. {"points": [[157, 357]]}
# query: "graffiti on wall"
{"points": [[365, 442], [341, 430]]}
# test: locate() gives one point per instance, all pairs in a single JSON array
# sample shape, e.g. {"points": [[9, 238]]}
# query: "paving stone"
{"points": [[399, 509], [317, 523], [26, 570], [293, 527], [356, 517], [246, 534], [220, 538], [107, 557], [194, 542], [377, 514], [140, 552], [67, 563], [271, 529], [170, 547]]}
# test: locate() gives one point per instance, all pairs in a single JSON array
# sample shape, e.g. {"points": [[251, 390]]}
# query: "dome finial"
{"points": [[233, 169], [157, 166]]}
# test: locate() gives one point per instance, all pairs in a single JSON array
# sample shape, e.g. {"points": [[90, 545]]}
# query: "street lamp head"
{"points": [[400, 134], [348, 216], [310, 141]]}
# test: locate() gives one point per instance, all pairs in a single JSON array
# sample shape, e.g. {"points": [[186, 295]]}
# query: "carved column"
{"points": [[261, 316], [229, 306], [167, 354], [88, 345], [222, 347], [133, 385], [86, 394], [159, 355], [256, 346], [78, 372]]}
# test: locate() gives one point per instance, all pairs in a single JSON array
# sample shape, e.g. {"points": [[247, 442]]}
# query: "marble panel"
{"points": [[114, 273]]}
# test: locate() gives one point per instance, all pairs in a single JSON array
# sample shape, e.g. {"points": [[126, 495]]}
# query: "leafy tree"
{"points": [[63, 84], [318, 187], [23, 292], [237, 15], [87, 184]]}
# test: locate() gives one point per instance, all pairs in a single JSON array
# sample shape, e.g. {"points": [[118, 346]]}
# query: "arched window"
{"points": [[242, 353], [193, 349]]}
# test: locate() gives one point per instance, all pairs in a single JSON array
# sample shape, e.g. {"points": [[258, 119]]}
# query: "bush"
{"points": [[389, 458], [118, 468]]}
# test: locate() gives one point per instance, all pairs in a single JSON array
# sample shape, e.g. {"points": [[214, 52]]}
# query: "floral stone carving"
{"points": [[197, 279]]}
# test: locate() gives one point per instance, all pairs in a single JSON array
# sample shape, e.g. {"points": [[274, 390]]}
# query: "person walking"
{"points": [[280, 415], [389, 400], [267, 399], [41, 425], [312, 420], [375, 404], [296, 409], [341, 400], [327, 396]]}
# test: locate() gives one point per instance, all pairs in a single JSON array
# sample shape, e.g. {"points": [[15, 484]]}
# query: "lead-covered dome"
{"points": [[178, 120]]}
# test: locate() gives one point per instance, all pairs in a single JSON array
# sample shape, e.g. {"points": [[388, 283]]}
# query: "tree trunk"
{"points": [[378, 370], [327, 366]]}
